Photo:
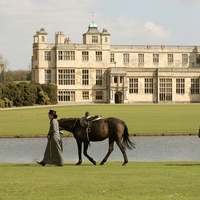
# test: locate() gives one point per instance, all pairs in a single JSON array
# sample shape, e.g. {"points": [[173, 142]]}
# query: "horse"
{"points": [[112, 128]]}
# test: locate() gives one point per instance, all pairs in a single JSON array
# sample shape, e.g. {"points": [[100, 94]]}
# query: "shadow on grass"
{"points": [[182, 164], [47, 165]]}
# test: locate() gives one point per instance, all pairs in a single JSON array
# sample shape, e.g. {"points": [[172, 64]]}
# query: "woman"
{"points": [[54, 152]]}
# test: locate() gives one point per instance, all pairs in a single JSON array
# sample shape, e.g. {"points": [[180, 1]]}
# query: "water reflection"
{"points": [[153, 148]]}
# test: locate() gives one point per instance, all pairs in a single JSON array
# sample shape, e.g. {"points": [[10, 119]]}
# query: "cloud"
{"points": [[21, 19], [130, 31], [156, 31], [126, 23]]}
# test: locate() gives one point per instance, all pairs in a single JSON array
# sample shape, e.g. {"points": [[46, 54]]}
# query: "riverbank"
{"points": [[141, 120], [71, 135]]}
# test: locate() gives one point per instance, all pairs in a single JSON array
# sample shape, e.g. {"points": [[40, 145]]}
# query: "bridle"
{"points": [[73, 127]]}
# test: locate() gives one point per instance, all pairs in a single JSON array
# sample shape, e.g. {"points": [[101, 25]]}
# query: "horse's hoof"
{"points": [[124, 164], [78, 163], [94, 163], [102, 163]]}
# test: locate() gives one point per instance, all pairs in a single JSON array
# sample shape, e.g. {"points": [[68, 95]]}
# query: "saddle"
{"points": [[87, 123]]}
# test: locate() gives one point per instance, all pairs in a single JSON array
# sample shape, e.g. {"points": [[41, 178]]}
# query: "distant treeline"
{"points": [[27, 94], [17, 75]]}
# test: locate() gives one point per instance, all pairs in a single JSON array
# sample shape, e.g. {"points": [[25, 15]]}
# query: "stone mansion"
{"points": [[98, 72]]}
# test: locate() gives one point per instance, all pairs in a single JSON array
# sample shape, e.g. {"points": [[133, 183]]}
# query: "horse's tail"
{"points": [[126, 139]]}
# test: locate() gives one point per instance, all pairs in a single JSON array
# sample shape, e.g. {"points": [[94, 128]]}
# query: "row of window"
{"points": [[70, 55], [165, 86], [67, 77], [95, 39], [165, 89], [70, 95]]}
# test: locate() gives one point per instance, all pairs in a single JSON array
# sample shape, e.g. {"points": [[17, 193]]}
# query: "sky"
{"points": [[130, 22]]}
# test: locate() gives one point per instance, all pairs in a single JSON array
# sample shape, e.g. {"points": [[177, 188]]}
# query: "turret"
{"points": [[93, 35], [40, 36]]}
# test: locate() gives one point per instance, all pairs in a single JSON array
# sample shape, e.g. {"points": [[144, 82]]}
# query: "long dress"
{"points": [[54, 149]]}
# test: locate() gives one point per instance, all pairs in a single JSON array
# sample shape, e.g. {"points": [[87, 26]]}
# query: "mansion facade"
{"points": [[98, 72]]}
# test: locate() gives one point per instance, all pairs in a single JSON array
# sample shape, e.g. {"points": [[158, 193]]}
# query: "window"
{"points": [[165, 89], [106, 39], [133, 85], [70, 55], [195, 86], [112, 57], [184, 59], [148, 85], [121, 79], [126, 58], [85, 77], [85, 95], [66, 96], [180, 86], [198, 59], [47, 75], [99, 78], [99, 95], [43, 39], [47, 55], [98, 56], [66, 77], [61, 55], [85, 56], [141, 59], [115, 79], [170, 59], [35, 55], [66, 55], [155, 59], [94, 39]]}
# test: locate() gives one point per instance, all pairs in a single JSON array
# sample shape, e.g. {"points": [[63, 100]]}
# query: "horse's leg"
{"points": [[119, 143], [79, 144], [86, 154], [110, 149]]}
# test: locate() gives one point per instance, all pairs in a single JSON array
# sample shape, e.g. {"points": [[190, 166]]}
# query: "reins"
{"points": [[65, 139], [74, 124]]}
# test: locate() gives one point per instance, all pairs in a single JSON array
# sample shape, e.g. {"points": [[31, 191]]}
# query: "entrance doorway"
{"points": [[118, 97]]}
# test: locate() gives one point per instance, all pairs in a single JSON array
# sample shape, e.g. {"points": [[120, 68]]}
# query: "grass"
{"points": [[140, 180], [141, 119]]}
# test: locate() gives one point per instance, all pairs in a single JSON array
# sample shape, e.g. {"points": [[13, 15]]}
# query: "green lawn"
{"points": [[140, 181], [141, 119]]}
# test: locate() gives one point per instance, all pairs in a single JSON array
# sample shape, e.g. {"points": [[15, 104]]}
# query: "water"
{"points": [[152, 148]]}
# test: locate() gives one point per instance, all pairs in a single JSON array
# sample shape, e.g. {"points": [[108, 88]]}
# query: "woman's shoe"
{"points": [[41, 163]]}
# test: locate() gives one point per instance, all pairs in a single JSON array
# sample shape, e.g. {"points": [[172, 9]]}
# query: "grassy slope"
{"points": [[141, 119]]}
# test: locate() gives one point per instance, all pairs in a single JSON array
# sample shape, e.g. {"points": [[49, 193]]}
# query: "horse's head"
{"points": [[67, 124]]}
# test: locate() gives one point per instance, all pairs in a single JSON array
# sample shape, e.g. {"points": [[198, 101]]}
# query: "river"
{"points": [[148, 149]]}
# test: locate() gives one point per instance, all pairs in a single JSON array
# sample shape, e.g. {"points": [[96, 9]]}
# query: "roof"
{"points": [[92, 25], [41, 31], [92, 28]]}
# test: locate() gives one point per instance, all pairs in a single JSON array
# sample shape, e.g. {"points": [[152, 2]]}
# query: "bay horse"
{"points": [[112, 128]]}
